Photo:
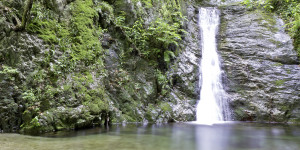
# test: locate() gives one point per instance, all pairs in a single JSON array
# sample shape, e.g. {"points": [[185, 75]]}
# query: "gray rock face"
{"points": [[261, 66], [19, 51], [185, 71], [40, 92], [139, 90]]}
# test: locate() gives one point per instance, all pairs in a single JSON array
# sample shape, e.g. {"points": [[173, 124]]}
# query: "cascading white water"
{"points": [[210, 108]]}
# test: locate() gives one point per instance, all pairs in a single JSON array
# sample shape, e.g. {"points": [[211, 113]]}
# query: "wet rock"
{"points": [[183, 107], [137, 96], [261, 65], [185, 70]]}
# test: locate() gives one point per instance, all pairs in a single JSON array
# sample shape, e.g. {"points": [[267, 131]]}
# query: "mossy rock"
{"points": [[243, 115]]}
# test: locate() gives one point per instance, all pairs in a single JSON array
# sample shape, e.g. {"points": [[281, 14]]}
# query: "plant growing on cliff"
{"points": [[163, 83], [289, 10], [152, 42], [85, 43], [158, 40], [8, 72], [29, 96]]}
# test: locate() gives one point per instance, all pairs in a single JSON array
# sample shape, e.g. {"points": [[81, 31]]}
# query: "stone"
{"points": [[261, 66]]}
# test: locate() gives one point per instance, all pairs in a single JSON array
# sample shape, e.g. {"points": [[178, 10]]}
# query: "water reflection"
{"points": [[209, 137], [233, 136], [247, 136]]}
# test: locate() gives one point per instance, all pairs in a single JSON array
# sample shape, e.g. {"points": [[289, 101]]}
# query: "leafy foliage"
{"points": [[152, 42], [163, 82], [8, 73], [79, 37], [158, 40], [105, 9], [43, 23], [8, 70]]}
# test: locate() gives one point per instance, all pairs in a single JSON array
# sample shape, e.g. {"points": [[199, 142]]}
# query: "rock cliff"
{"points": [[78, 64], [260, 65], [49, 82]]}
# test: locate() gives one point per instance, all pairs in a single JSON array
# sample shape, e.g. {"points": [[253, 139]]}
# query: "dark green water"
{"points": [[183, 136]]}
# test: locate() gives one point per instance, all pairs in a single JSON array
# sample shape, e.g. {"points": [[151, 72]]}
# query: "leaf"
{"points": [[166, 56]]}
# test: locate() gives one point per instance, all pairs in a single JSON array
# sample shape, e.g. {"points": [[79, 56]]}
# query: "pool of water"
{"points": [[178, 136]]}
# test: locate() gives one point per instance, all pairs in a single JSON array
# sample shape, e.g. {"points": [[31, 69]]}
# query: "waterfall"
{"points": [[212, 107]]}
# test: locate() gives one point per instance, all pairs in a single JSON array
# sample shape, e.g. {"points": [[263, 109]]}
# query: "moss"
{"points": [[44, 24], [296, 38], [97, 106], [146, 3], [85, 42], [223, 29], [130, 110], [240, 90], [277, 64], [106, 12], [151, 113], [76, 92], [277, 43], [46, 29], [127, 118], [152, 41], [269, 18], [288, 10], [64, 90], [279, 82], [165, 107], [239, 114], [80, 36]]}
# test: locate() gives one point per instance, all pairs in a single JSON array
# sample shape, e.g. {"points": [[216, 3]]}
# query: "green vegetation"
{"points": [[163, 82], [289, 10], [277, 64], [25, 15], [63, 88], [85, 38], [77, 41], [154, 41], [8, 73], [79, 38], [165, 107], [279, 82]]}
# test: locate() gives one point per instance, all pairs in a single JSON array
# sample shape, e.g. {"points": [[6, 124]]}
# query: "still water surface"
{"points": [[183, 136]]}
